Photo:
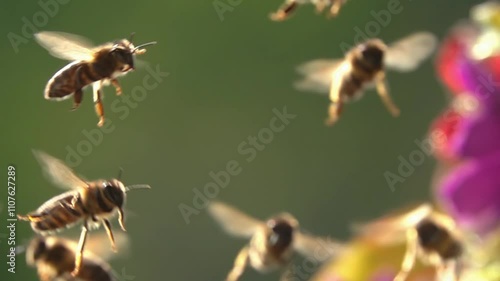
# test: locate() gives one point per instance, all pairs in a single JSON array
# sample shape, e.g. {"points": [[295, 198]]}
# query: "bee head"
{"points": [[428, 231], [36, 250], [123, 52], [114, 190], [282, 228], [372, 53]]}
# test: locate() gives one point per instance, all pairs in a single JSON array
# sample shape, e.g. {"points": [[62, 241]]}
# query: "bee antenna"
{"points": [[120, 173], [137, 186], [131, 36], [144, 45]]}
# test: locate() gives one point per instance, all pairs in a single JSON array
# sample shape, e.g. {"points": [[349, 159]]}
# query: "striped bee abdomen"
{"points": [[58, 213], [69, 79]]}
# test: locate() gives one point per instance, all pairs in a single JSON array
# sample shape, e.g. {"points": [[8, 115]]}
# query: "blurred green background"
{"points": [[225, 79]]}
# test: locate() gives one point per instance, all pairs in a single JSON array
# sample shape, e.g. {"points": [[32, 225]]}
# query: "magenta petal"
{"points": [[478, 135], [471, 193], [481, 83]]}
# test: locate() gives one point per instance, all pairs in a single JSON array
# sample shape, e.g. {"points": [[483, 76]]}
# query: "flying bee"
{"points": [[290, 6], [363, 67], [54, 258], [431, 236], [92, 202], [272, 243], [90, 65]]}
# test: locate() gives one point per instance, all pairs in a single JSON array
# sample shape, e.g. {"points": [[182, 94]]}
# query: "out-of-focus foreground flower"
{"points": [[466, 142]]}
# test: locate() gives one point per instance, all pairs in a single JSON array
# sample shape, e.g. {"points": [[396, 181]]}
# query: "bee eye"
{"points": [[114, 194]]}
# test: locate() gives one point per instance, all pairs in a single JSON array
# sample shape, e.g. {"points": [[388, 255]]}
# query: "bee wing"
{"points": [[65, 46], [319, 248], [98, 245], [233, 221], [406, 54], [60, 174], [391, 229], [317, 75]]}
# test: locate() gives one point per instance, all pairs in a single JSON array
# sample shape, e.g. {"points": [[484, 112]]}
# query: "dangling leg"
{"points": [[117, 86], [447, 271], [383, 93], [79, 251], [410, 255], [284, 11], [239, 265], [336, 102], [320, 5], [335, 9], [111, 237], [121, 219], [77, 99], [99, 109], [334, 111]]}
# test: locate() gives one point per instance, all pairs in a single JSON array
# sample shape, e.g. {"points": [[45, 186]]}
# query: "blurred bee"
{"points": [[91, 65], [272, 243], [364, 66], [290, 6], [91, 202], [432, 237], [54, 258]]}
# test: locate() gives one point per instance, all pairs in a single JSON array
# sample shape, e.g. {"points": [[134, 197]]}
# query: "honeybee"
{"points": [[272, 243], [291, 5], [92, 202], [54, 258], [363, 67], [431, 236], [90, 65]]}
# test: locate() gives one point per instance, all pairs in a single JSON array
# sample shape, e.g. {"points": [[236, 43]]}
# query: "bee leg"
{"points": [[320, 5], [239, 265], [117, 86], [79, 251], [334, 112], [335, 9], [77, 99], [107, 225], [99, 109], [284, 11], [410, 255], [121, 219], [447, 271], [383, 92]]}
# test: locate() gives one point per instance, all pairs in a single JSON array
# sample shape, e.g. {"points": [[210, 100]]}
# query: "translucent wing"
{"points": [[233, 221], [317, 75], [319, 248], [60, 174], [391, 229], [408, 53], [97, 245], [65, 46]]}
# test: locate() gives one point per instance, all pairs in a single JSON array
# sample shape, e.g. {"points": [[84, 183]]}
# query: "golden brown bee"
{"points": [[290, 6], [431, 236], [272, 243], [54, 258], [91, 65], [91, 202], [364, 66]]}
